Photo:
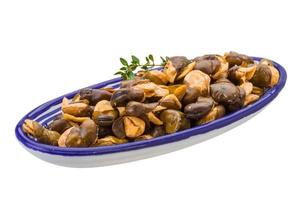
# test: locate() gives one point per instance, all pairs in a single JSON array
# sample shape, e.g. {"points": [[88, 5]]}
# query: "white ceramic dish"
{"points": [[108, 155]]}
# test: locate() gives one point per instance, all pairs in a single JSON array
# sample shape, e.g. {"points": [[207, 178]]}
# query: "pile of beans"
{"points": [[185, 93]]}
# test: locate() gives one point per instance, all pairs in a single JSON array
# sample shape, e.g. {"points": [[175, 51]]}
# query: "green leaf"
{"points": [[151, 58], [124, 77], [124, 62], [123, 68], [121, 73], [134, 67], [147, 59], [130, 75], [164, 60], [135, 60], [144, 67]]}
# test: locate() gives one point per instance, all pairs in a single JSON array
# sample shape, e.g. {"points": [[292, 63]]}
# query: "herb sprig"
{"points": [[128, 68]]}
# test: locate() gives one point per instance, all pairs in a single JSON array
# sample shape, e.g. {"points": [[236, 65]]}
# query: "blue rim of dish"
{"points": [[181, 135]]}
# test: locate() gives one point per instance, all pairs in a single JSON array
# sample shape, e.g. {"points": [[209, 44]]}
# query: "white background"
{"points": [[48, 48]]}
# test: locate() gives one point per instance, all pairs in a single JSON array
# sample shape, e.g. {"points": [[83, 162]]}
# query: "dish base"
{"points": [[133, 155]]}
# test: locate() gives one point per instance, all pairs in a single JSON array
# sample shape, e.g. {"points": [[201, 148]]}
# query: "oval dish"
{"points": [[108, 155]]}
